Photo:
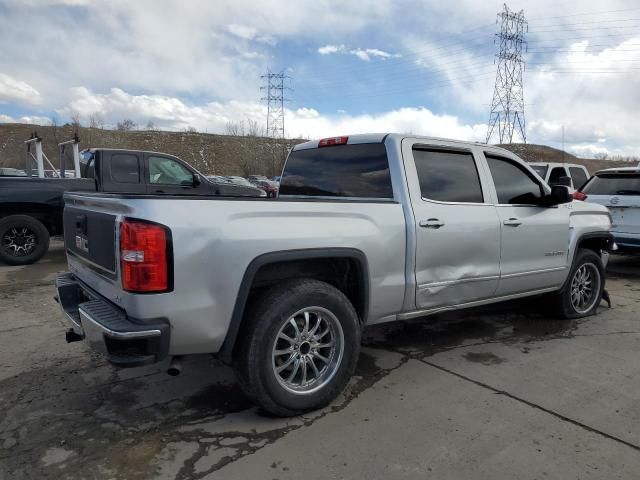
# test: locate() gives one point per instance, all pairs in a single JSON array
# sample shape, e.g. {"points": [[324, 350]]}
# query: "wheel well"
{"points": [[595, 243], [343, 273], [48, 216], [345, 269]]}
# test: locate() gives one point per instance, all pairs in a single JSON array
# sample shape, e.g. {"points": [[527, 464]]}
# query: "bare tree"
{"points": [[126, 125], [190, 129], [150, 125], [235, 129], [75, 120], [601, 156], [253, 130], [96, 121]]}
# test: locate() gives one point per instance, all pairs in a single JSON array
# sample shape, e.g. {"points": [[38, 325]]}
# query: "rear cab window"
{"points": [[341, 171], [613, 184]]}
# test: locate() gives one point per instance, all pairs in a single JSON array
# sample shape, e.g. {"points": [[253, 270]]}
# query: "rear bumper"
{"points": [[124, 341], [627, 242]]}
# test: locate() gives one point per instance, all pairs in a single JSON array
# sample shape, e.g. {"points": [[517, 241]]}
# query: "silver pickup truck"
{"points": [[366, 229]]}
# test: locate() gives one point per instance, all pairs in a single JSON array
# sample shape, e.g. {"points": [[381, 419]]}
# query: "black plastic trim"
{"points": [[226, 351]]}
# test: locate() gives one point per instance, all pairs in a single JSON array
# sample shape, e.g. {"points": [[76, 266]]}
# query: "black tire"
{"points": [[565, 306], [254, 362], [23, 240]]}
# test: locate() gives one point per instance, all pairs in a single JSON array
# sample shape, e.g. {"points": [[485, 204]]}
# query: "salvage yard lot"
{"points": [[500, 392]]}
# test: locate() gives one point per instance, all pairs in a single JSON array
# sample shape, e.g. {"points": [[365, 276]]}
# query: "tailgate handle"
{"points": [[81, 224]]}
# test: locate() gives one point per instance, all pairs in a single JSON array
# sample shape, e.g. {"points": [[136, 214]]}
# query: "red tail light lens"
{"points": [[327, 142], [144, 257], [579, 196]]}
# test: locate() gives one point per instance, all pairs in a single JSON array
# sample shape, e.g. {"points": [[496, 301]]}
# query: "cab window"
{"points": [[514, 185], [166, 171]]}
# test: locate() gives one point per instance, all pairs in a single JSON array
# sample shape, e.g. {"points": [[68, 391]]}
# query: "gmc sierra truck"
{"points": [[366, 229], [31, 206]]}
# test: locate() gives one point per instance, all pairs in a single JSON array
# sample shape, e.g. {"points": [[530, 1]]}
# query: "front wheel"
{"points": [[582, 292], [299, 347], [23, 240]]}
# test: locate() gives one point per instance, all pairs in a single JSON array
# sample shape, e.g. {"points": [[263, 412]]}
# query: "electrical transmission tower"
{"points": [[507, 107], [275, 99]]}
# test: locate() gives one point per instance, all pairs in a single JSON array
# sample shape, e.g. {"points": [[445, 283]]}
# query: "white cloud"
{"points": [[173, 114], [362, 53], [17, 91], [32, 119], [249, 33]]}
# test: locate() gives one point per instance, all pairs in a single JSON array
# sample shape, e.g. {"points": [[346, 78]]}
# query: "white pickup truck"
{"points": [[366, 229]]}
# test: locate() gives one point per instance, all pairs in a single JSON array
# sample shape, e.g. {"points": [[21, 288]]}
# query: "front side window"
{"points": [[514, 185], [355, 171], [447, 176], [540, 170], [166, 171]]}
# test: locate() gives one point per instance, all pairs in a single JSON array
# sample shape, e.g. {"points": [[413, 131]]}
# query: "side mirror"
{"points": [[196, 180], [559, 195], [564, 181]]}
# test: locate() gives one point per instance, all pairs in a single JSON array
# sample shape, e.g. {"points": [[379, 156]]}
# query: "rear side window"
{"points": [[578, 176], [447, 176], [360, 171], [124, 168], [514, 185], [613, 184]]}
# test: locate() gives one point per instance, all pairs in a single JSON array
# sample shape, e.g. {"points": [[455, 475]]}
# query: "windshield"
{"points": [[614, 184], [541, 170]]}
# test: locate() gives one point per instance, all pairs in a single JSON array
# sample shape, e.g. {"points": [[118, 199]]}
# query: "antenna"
{"points": [[507, 108]]}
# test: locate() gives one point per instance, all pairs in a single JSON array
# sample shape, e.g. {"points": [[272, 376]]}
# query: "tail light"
{"points": [[144, 257], [327, 142], [577, 195]]}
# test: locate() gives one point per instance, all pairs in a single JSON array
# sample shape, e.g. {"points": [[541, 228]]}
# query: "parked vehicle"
{"points": [[552, 173], [618, 189], [31, 207], [367, 229], [12, 172], [271, 188]]}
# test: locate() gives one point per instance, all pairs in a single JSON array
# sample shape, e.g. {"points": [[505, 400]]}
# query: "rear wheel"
{"points": [[582, 292], [299, 347], [23, 240]]}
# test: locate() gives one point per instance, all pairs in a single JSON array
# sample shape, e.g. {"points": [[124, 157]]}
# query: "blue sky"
{"points": [[412, 66]]}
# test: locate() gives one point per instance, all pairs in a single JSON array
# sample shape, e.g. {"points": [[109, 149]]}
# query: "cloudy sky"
{"points": [[420, 66]]}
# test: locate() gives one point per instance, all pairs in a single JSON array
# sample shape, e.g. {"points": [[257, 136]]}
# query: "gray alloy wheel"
{"points": [[585, 288], [307, 350]]}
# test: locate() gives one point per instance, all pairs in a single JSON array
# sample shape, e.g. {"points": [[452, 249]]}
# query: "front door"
{"points": [[535, 239], [457, 234]]}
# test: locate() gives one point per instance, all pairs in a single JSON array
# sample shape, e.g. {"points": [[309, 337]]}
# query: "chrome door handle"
{"points": [[431, 223], [512, 222]]}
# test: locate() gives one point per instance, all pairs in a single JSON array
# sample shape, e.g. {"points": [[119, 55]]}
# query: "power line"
{"points": [[507, 106]]}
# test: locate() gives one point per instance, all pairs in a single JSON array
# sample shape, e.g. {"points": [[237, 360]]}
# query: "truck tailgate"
{"points": [[91, 236]]}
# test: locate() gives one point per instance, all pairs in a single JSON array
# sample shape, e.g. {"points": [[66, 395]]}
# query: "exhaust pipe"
{"points": [[175, 366]]}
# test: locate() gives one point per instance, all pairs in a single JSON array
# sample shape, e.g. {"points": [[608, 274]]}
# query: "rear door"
{"points": [[457, 232], [534, 239]]}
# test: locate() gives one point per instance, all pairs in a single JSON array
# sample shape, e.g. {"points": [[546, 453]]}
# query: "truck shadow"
{"points": [[83, 405]]}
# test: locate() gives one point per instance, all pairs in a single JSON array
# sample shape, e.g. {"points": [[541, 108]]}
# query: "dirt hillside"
{"points": [[211, 154]]}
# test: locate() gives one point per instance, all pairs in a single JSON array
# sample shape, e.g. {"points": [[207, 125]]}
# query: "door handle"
{"points": [[431, 223], [512, 222]]}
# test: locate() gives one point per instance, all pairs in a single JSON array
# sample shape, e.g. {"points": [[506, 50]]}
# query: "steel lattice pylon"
{"points": [[275, 99], [507, 108]]}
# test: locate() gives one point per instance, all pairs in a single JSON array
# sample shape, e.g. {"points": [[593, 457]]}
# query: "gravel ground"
{"points": [[500, 392]]}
